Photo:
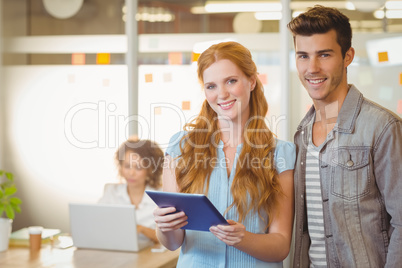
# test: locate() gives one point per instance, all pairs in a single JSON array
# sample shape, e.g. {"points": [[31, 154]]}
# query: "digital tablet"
{"points": [[201, 213]]}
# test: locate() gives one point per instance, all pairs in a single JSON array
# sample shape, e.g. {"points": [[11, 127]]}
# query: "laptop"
{"points": [[106, 227]]}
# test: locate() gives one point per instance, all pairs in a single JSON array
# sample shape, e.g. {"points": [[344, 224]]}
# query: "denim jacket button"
{"points": [[350, 163]]}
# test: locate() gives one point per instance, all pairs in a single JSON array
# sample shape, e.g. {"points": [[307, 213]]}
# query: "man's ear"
{"points": [[349, 56]]}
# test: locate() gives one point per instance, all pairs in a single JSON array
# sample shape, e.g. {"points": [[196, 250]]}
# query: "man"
{"points": [[348, 176]]}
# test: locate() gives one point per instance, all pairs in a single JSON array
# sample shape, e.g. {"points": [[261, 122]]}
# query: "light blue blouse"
{"points": [[203, 249]]}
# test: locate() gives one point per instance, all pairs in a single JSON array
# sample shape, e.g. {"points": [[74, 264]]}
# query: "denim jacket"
{"points": [[361, 184]]}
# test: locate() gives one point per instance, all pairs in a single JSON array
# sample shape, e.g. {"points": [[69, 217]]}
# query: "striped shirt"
{"points": [[317, 252]]}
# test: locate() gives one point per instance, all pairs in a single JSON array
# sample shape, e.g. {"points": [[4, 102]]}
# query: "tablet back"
{"points": [[104, 226]]}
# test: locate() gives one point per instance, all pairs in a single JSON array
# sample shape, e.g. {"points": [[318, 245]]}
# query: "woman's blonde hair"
{"points": [[255, 186]]}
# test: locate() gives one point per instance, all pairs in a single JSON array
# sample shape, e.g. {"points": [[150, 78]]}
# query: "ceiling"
{"points": [[362, 19]]}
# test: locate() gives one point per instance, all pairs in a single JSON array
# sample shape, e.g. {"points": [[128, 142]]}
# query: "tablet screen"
{"points": [[201, 213]]}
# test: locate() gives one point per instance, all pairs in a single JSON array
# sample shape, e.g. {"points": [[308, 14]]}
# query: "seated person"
{"points": [[139, 164]]}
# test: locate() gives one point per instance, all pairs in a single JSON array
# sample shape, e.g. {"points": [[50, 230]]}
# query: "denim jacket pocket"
{"points": [[350, 174]]}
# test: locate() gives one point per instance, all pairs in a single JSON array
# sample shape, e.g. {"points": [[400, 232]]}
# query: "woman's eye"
{"points": [[232, 81], [210, 87]]}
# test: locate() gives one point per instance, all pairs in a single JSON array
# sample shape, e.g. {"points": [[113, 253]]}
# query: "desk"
{"points": [[48, 256]]}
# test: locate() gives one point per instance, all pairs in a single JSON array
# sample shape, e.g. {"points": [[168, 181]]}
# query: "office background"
{"points": [[76, 80]]}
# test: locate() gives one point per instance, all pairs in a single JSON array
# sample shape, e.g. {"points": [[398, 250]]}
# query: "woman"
{"points": [[229, 154], [139, 163]]}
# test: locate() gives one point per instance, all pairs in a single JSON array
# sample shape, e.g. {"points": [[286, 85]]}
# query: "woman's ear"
{"points": [[253, 81]]}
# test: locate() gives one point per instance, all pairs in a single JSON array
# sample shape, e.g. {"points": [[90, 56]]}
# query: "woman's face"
{"points": [[134, 169], [227, 90]]}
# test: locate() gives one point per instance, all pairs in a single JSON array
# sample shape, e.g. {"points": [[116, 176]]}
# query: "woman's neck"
{"points": [[231, 133], [135, 193]]}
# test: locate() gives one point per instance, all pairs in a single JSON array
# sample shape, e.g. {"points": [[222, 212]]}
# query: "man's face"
{"points": [[321, 67]]}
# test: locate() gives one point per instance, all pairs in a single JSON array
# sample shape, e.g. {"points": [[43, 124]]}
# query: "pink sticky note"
{"points": [[399, 107], [78, 59], [186, 105], [263, 78], [175, 58], [158, 110]]}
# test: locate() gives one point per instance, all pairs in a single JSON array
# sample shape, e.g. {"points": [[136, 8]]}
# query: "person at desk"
{"points": [[229, 154], [139, 164]]}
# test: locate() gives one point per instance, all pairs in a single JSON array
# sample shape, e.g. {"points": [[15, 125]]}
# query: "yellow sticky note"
{"points": [[103, 58], [185, 105], [399, 107], [400, 79], [175, 58], [195, 56], [382, 56], [78, 59], [148, 78], [263, 78]]}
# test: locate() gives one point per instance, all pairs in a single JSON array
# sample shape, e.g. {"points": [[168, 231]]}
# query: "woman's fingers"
{"points": [[167, 220], [230, 234]]}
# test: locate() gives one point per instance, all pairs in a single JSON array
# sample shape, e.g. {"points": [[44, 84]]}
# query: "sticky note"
{"points": [[185, 105], [175, 58], [78, 59], [382, 56], [153, 42], [103, 58], [158, 110], [148, 78], [331, 110], [385, 93], [167, 77], [105, 82], [365, 78], [399, 107], [195, 56], [400, 79], [71, 78], [263, 78]]}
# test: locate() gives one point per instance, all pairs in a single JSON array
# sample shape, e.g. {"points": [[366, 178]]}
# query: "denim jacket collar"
{"points": [[345, 122]]}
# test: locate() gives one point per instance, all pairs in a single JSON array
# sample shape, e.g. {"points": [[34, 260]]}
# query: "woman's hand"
{"points": [[231, 234], [167, 220]]}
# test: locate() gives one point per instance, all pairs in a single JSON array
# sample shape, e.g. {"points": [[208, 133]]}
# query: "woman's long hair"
{"points": [[255, 186]]}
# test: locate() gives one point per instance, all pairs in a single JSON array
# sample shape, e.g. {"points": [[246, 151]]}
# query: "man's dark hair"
{"points": [[320, 20]]}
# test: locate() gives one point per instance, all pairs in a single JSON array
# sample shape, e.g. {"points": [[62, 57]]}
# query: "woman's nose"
{"points": [[223, 92]]}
